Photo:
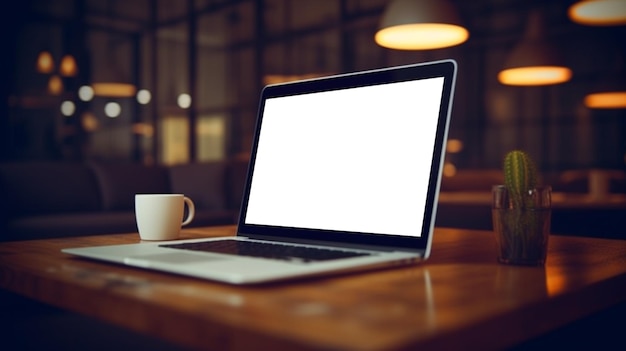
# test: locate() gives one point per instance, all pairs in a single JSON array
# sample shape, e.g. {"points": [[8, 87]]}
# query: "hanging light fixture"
{"points": [[55, 85], [606, 100], [610, 90], [113, 89], [45, 62], [114, 85], [598, 12], [420, 25], [534, 61], [68, 66]]}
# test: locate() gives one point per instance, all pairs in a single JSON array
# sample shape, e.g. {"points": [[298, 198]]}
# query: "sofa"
{"points": [[58, 199]]}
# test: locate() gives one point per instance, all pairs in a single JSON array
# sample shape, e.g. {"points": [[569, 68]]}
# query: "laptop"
{"points": [[344, 175]]}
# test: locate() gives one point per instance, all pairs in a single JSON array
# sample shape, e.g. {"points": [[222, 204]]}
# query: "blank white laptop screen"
{"points": [[309, 174]]}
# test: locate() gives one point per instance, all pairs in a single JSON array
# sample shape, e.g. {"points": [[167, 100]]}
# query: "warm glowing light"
{"points": [[420, 25], [421, 36], [454, 146], [85, 93], [112, 109], [534, 60], [114, 89], [556, 280], [144, 96], [599, 12], [535, 75], [68, 67], [68, 108], [89, 122], [144, 129], [45, 63], [449, 170], [184, 100], [610, 99], [55, 85]]}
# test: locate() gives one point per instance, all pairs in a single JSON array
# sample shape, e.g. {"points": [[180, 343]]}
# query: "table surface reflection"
{"points": [[461, 295]]}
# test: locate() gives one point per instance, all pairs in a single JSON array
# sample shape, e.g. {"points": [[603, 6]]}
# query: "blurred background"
{"points": [[188, 74], [177, 82]]}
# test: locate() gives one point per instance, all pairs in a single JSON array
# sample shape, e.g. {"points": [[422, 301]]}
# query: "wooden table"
{"points": [[460, 297]]}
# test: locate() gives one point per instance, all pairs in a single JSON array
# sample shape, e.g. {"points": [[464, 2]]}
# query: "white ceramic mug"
{"points": [[160, 216]]}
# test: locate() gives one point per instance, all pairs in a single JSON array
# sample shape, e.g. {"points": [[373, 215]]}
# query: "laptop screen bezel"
{"points": [[445, 68]]}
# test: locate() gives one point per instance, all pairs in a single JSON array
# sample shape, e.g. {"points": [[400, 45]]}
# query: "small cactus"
{"points": [[521, 218], [520, 175]]}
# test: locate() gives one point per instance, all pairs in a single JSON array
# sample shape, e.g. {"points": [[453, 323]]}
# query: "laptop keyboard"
{"points": [[284, 252]]}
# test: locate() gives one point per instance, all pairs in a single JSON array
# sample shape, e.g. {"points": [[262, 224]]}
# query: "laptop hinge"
{"points": [[332, 244]]}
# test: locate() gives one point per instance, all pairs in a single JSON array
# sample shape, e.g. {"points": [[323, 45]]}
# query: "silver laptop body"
{"points": [[350, 162]]}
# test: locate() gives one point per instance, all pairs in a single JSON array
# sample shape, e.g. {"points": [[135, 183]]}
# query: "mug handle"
{"points": [[191, 211]]}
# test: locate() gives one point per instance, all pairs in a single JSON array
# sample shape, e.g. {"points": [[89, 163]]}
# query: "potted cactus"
{"points": [[521, 212]]}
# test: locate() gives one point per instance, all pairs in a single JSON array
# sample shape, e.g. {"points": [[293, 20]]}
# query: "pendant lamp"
{"points": [[599, 12], [610, 90], [113, 89], [45, 62], [68, 66], [55, 85], [606, 100], [116, 84], [534, 61], [420, 25]]}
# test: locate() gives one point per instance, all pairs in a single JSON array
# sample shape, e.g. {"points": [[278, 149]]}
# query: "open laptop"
{"points": [[344, 175]]}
